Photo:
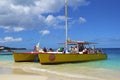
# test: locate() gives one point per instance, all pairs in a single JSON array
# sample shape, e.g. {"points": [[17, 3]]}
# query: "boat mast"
{"points": [[66, 23]]}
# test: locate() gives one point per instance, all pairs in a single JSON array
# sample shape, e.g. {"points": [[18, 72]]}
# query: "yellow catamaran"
{"points": [[25, 56], [64, 58], [77, 53]]}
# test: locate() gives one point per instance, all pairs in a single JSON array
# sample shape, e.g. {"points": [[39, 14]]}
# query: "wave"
{"points": [[80, 76]]}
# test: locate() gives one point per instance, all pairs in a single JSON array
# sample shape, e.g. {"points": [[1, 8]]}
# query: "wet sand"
{"points": [[36, 71]]}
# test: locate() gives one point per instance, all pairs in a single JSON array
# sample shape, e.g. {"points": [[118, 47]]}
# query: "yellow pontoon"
{"points": [[25, 56], [74, 56]]}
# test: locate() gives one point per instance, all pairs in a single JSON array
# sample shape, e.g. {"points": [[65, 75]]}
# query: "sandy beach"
{"points": [[21, 77], [29, 70], [25, 71]]}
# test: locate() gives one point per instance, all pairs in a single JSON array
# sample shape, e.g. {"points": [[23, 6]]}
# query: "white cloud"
{"points": [[47, 6], [6, 28], [10, 29], [24, 2], [10, 39], [17, 29], [29, 14], [50, 19], [62, 18], [56, 22], [20, 9], [82, 20], [44, 32], [77, 3]]}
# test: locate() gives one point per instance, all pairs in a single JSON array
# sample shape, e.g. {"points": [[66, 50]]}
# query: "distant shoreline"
{"points": [[9, 48]]}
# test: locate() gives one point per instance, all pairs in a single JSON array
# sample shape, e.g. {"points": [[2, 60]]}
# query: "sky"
{"points": [[24, 23]]}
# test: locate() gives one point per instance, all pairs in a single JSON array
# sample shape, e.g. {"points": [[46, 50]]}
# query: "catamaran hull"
{"points": [[24, 57], [63, 58]]}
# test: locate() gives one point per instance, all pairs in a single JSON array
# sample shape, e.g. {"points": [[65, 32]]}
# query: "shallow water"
{"points": [[94, 70], [112, 62]]}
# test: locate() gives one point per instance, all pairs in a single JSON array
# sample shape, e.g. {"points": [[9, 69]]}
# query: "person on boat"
{"points": [[81, 47], [44, 49], [76, 49], [93, 50], [72, 49], [90, 51], [50, 50], [36, 49], [61, 49], [99, 50], [85, 51]]}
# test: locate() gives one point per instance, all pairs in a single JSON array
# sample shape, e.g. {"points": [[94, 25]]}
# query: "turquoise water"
{"points": [[6, 58], [111, 63]]}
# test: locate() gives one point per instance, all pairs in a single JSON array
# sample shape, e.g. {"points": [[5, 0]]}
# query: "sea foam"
{"points": [[80, 76]]}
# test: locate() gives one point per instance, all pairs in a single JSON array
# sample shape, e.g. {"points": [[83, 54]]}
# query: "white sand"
{"points": [[36, 71], [21, 77]]}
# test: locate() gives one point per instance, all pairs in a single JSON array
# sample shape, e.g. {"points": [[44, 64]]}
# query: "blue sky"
{"points": [[23, 23]]}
